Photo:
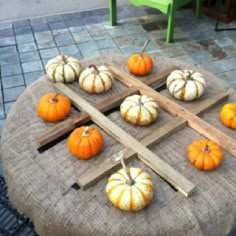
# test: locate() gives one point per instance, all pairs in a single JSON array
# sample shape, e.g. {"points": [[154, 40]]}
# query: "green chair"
{"points": [[165, 6]]}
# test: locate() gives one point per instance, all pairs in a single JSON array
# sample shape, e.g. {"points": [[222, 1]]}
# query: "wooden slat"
{"points": [[153, 161], [53, 133], [201, 126], [97, 172]]}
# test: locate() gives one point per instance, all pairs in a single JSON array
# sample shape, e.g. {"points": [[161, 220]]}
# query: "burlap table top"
{"points": [[38, 182]]}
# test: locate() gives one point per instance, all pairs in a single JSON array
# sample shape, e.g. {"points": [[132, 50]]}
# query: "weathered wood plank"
{"points": [[97, 172], [153, 161], [52, 134], [201, 126]]}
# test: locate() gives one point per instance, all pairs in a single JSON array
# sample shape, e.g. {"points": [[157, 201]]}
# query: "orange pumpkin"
{"points": [[228, 115], [140, 63], [85, 142], [204, 154], [53, 107]]}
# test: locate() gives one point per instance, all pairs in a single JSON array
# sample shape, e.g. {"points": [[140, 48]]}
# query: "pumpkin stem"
{"points": [[94, 67], [63, 58], [144, 47], [86, 132], [54, 99], [140, 102], [187, 75], [206, 148], [129, 181]]}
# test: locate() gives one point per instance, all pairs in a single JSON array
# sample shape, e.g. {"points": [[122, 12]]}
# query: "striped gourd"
{"points": [[130, 193], [96, 79], [186, 85], [63, 69], [139, 109]]}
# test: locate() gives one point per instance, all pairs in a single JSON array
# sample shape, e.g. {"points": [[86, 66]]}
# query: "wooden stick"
{"points": [[54, 133], [109, 165], [201, 126], [144, 47], [153, 161]]}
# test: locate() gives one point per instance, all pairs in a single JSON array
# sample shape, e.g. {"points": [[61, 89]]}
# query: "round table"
{"points": [[39, 183]]}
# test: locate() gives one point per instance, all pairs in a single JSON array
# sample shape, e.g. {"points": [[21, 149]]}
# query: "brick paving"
{"points": [[27, 45]]}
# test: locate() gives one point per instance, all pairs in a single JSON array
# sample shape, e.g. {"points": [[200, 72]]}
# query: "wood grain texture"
{"points": [[53, 133], [97, 172], [201, 126], [153, 161]]}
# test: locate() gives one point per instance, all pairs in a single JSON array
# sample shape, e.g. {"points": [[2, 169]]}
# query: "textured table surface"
{"points": [[38, 182]]}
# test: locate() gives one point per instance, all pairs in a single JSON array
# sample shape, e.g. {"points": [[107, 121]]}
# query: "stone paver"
{"points": [[10, 69], [23, 30], [7, 106], [25, 38], [49, 53], [7, 41], [11, 94], [25, 47], [227, 64], [5, 25], [9, 58], [30, 77], [49, 43], [32, 66], [12, 81], [4, 33], [88, 48], [29, 56], [70, 50], [2, 112], [40, 27], [63, 39]]}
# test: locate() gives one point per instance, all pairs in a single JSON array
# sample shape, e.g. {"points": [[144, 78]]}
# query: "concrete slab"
{"points": [[22, 9]]}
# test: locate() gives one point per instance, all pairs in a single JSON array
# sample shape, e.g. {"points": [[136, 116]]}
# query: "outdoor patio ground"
{"points": [[26, 46]]}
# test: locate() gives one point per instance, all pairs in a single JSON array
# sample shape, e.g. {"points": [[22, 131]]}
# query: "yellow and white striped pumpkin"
{"points": [[96, 79], [139, 109], [130, 196], [185, 85], [63, 69]]}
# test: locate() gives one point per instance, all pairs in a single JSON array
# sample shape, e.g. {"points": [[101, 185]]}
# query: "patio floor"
{"points": [[27, 45]]}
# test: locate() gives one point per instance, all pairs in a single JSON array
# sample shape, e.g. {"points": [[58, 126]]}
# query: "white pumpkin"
{"points": [[96, 79], [139, 109], [63, 69], [130, 195], [185, 85]]}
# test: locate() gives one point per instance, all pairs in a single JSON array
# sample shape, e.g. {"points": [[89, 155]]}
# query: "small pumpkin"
{"points": [[130, 189], [139, 109], [228, 115], [186, 85], [96, 79], [85, 142], [204, 154], [140, 63], [63, 69], [53, 107]]}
